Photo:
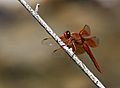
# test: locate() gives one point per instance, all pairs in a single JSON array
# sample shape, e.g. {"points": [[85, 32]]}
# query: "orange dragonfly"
{"points": [[80, 42]]}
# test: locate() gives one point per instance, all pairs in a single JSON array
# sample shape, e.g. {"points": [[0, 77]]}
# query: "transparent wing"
{"points": [[92, 41], [48, 42], [85, 31]]}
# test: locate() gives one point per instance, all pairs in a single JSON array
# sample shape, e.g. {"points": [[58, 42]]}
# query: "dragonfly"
{"points": [[80, 43]]}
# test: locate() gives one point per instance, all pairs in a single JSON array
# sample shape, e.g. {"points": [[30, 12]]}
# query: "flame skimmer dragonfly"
{"points": [[80, 42]]}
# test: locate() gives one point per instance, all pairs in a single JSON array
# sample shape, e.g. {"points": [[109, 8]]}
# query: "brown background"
{"points": [[26, 63]]}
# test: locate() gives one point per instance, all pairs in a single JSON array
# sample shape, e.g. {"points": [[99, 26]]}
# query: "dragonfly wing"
{"points": [[92, 42], [48, 41], [85, 31], [87, 49]]}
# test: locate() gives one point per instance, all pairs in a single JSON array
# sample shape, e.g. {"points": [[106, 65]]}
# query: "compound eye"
{"points": [[67, 34]]}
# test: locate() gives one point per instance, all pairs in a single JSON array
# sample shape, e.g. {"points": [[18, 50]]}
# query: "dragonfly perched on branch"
{"points": [[80, 42]]}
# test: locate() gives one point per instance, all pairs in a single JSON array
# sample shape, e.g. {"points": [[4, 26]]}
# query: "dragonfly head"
{"points": [[67, 34]]}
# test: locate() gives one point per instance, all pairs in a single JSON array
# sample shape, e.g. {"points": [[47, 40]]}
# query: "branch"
{"points": [[60, 42], [36, 8]]}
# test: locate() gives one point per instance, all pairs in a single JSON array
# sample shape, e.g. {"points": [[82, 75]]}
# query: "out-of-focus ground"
{"points": [[26, 63]]}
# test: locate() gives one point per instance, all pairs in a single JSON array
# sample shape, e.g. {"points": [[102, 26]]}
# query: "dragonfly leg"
{"points": [[74, 47]]}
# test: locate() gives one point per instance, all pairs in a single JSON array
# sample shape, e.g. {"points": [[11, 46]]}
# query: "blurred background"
{"points": [[26, 63]]}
